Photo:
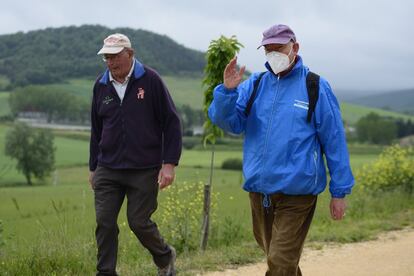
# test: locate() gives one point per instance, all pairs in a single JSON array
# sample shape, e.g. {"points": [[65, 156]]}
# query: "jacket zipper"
{"points": [[315, 161], [270, 125]]}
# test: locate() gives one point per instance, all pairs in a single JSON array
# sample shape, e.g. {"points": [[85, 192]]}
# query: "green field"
{"points": [[48, 228], [79, 87], [4, 103], [184, 90], [4, 82]]}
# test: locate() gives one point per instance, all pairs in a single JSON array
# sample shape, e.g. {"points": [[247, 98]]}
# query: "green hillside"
{"points": [[400, 101], [53, 55], [352, 112], [184, 90]]}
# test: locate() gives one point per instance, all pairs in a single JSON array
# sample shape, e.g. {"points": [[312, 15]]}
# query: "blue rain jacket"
{"points": [[282, 153]]}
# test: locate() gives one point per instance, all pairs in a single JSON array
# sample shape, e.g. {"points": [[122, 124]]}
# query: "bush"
{"points": [[393, 169], [232, 164], [6, 118], [74, 135], [188, 132], [189, 142], [375, 129], [180, 218]]}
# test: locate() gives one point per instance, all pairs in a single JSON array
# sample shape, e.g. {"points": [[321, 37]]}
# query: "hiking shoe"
{"points": [[169, 270]]}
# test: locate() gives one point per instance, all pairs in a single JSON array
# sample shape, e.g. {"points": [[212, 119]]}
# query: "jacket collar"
{"points": [[138, 72]]}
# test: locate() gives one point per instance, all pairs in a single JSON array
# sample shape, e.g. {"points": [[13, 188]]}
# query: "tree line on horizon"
{"points": [[61, 106]]}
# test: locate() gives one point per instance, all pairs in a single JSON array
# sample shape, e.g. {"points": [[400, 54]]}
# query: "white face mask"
{"points": [[278, 61]]}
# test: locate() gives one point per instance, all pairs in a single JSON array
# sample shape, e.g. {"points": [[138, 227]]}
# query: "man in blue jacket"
{"points": [[135, 145], [282, 154]]}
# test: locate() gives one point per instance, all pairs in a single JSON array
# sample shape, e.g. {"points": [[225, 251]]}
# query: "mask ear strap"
{"points": [[291, 49], [294, 58]]}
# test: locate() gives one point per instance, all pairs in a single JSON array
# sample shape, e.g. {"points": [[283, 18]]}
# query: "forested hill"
{"points": [[55, 54]]}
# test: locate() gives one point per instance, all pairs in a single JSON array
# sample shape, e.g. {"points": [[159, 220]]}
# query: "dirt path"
{"points": [[391, 254]]}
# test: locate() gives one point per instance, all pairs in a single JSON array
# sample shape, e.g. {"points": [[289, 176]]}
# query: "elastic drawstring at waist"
{"points": [[266, 201]]}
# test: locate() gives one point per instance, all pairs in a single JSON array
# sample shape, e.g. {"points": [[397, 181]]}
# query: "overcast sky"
{"points": [[355, 44]]}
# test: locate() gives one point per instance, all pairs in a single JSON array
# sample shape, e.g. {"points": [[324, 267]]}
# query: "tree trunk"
{"points": [[206, 209], [28, 179]]}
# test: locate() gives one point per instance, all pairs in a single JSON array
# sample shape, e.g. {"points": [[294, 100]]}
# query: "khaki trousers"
{"points": [[281, 229]]}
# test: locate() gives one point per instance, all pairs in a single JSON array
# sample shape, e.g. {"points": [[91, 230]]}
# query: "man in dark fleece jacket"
{"points": [[135, 146]]}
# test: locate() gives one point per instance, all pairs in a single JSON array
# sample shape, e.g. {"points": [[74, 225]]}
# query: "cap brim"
{"points": [[275, 40], [110, 50]]}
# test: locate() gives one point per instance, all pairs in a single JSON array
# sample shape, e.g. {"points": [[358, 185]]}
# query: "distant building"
{"points": [[198, 130], [39, 120], [407, 141], [32, 117]]}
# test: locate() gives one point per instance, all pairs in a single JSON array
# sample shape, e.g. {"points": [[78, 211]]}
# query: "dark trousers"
{"points": [[141, 190], [281, 229]]}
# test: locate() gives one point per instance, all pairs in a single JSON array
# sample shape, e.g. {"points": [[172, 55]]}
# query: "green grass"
{"points": [[47, 214], [75, 152], [49, 228], [52, 227], [71, 152], [202, 158], [4, 103], [186, 90]]}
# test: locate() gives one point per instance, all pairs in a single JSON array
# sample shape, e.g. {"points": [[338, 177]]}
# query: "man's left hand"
{"points": [[338, 206], [166, 175]]}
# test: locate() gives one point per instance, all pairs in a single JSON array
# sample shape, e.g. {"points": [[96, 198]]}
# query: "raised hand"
{"points": [[231, 76]]}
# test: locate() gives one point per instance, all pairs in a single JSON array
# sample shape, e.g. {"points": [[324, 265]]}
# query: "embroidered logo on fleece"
{"points": [[107, 100], [301, 104], [140, 93]]}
